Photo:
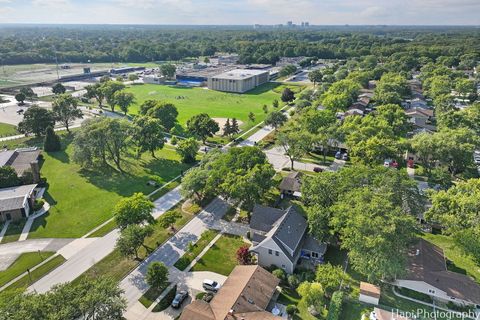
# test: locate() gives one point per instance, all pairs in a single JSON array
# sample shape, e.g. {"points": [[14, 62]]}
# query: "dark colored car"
{"points": [[338, 155], [317, 169], [179, 298]]}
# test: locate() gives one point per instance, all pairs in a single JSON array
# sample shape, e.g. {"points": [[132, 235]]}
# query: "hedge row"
{"points": [[335, 308]]}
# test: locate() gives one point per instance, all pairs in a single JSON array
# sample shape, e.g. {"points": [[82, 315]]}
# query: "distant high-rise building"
{"points": [[289, 24], [307, 24], [303, 24]]}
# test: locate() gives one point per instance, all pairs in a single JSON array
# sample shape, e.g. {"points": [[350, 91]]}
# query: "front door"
{"points": [[9, 217]]}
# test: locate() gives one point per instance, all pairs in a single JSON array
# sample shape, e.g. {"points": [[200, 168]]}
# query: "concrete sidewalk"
{"points": [[81, 260], [134, 284], [28, 224]]}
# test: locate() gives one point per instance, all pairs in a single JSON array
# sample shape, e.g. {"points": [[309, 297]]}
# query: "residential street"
{"points": [[134, 284], [82, 260]]}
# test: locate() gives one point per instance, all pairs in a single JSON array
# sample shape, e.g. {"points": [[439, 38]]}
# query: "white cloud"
{"points": [[51, 3]]}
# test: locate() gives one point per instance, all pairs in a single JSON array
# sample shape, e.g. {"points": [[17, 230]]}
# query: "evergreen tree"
{"points": [[251, 116], [227, 128], [234, 128], [52, 141]]}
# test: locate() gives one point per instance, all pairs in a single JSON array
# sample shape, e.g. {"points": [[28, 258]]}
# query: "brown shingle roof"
{"points": [[291, 182], [369, 289], [426, 262], [244, 295], [19, 160]]}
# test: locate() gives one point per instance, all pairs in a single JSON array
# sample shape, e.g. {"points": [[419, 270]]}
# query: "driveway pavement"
{"points": [[134, 284], [10, 251], [81, 260]]}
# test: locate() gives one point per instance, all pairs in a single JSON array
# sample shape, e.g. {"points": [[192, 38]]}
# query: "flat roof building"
{"points": [[238, 80]]}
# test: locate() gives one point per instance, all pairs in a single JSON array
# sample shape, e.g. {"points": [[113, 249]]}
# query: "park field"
{"points": [[192, 101], [82, 199], [7, 130]]}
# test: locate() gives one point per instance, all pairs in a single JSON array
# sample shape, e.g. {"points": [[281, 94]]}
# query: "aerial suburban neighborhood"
{"points": [[178, 160]]}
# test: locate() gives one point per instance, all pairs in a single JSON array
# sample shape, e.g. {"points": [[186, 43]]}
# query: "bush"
{"points": [[291, 309], [174, 140], [280, 274], [38, 204], [293, 281], [335, 308]]}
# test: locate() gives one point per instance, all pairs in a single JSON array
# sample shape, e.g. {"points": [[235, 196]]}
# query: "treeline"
{"points": [[29, 44]]}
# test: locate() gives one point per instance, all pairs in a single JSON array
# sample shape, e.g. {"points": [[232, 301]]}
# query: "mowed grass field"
{"points": [[83, 199], [7, 129], [192, 101]]}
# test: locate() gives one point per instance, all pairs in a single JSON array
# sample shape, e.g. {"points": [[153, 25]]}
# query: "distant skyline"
{"points": [[242, 12]]}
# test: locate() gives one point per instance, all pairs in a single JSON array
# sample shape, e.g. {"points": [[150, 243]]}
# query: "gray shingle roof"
{"points": [[13, 198], [291, 229], [19, 160], [291, 182], [263, 218]]}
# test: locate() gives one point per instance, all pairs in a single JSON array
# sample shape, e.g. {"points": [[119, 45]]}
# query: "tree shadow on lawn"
{"points": [[127, 182], [61, 156], [269, 86]]}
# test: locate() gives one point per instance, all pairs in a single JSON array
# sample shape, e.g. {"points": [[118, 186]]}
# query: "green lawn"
{"points": [[117, 266], [38, 273], [21, 264], [7, 129], [13, 231], [191, 101], [151, 295], [221, 257], [83, 199], [188, 257], [459, 262]]}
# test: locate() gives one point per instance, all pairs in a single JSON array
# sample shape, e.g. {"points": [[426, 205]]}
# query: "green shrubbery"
{"points": [[335, 308]]}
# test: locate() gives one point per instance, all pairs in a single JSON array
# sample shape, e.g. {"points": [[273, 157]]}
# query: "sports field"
{"points": [[191, 101]]}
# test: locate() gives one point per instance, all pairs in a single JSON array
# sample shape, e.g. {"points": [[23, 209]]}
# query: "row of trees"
{"points": [[94, 299], [112, 92]]}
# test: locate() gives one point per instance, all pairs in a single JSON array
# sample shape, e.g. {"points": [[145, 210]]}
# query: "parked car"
{"points": [[210, 285], [179, 298], [317, 169], [345, 156], [338, 155], [389, 163]]}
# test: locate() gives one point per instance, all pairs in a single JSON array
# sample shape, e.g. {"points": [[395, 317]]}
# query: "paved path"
{"points": [[276, 156], [10, 251], [28, 224], [4, 230], [134, 284], [81, 260]]}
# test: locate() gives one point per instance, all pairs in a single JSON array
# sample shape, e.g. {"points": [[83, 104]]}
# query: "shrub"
{"points": [[174, 140], [38, 204], [335, 308], [291, 309], [293, 280], [280, 274]]}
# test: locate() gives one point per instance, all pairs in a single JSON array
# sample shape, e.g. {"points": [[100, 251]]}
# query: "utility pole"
{"points": [[56, 62]]}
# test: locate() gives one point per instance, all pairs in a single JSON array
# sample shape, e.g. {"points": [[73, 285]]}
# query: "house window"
{"points": [[269, 251], [277, 253], [314, 255], [431, 291]]}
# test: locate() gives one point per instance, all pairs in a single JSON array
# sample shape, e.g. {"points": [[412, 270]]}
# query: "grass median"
{"points": [[195, 249]]}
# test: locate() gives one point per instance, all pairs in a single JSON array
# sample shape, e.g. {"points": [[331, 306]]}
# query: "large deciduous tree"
{"points": [[94, 91], [65, 110], [187, 149], [275, 119], [136, 209], [59, 88], [132, 238], [202, 126], [295, 143], [167, 113], [8, 177], [168, 70], [101, 140], [123, 100], [109, 89], [36, 120], [147, 134]]}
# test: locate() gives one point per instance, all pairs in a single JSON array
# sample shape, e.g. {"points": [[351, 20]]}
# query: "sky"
{"points": [[242, 12]]}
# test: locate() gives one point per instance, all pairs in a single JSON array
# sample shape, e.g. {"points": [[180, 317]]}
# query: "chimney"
{"points": [[35, 171]]}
